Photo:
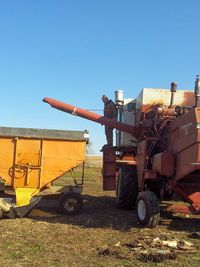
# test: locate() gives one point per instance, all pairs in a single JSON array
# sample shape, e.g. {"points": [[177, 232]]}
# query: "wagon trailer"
{"points": [[157, 151], [31, 160]]}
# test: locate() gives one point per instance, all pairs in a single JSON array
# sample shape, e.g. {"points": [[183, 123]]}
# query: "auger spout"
{"points": [[124, 127]]}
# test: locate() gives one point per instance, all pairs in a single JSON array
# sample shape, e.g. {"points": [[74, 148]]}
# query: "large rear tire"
{"points": [[148, 210], [127, 187]]}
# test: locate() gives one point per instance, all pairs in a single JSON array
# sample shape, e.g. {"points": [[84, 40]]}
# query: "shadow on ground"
{"points": [[97, 212], [100, 212]]}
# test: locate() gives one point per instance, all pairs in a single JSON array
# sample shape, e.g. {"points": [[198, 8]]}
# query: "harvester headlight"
{"points": [[198, 126]]}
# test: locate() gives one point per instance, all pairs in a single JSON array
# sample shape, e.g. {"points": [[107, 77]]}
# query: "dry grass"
{"points": [[78, 240], [94, 161]]}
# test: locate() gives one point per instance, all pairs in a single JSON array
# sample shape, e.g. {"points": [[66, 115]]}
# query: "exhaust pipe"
{"points": [[173, 90], [197, 90]]}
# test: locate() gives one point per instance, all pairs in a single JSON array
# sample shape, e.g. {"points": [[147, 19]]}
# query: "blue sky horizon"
{"points": [[76, 51]]}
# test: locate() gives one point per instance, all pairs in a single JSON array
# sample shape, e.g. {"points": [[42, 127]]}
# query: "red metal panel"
{"points": [[109, 168], [150, 175], [187, 161], [164, 163], [189, 192], [183, 132], [141, 161], [184, 139], [178, 208]]}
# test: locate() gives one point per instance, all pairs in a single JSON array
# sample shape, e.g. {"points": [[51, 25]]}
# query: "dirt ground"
{"points": [[100, 235]]}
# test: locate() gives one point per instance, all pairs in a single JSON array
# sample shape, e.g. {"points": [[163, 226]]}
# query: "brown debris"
{"points": [[157, 255], [109, 251], [158, 250]]}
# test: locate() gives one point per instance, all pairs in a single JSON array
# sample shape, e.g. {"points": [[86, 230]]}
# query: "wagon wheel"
{"points": [[148, 210], [70, 203]]}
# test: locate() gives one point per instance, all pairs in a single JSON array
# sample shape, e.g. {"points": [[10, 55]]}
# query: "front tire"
{"points": [[148, 210]]}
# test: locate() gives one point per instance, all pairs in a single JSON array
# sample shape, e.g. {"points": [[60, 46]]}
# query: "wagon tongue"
{"points": [[22, 211]]}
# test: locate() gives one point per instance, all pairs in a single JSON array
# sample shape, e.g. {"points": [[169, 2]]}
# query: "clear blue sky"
{"points": [[77, 50]]}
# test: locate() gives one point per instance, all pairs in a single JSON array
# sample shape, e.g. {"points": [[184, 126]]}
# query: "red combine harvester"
{"points": [[157, 152]]}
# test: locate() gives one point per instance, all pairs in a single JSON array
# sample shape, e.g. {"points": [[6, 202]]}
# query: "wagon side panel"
{"points": [[7, 152], [58, 157]]}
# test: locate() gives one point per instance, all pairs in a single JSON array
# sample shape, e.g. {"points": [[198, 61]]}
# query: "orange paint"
{"points": [[34, 163]]}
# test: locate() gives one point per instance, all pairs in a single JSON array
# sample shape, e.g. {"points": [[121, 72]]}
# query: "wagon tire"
{"points": [[70, 203], [148, 210]]}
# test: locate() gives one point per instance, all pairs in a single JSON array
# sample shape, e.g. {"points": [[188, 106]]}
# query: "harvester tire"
{"points": [[148, 210], [70, 203], [127, 187]]}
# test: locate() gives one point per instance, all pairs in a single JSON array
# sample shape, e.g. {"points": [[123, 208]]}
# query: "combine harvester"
{"points": [[157, 152], [30, 160]]}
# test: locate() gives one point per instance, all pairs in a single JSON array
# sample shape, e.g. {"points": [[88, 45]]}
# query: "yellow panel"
{"points": [[26, 177], [6, 159], [24, 195], [28, 151], [27, 154], [60, 157]]}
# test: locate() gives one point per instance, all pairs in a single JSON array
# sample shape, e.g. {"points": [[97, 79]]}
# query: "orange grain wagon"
{"points": [[31, 159]]}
